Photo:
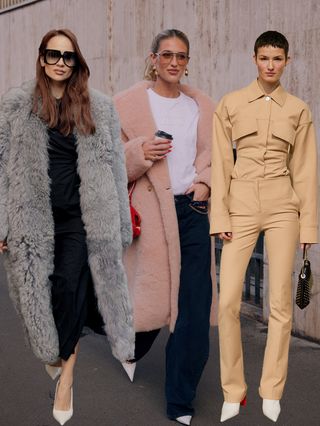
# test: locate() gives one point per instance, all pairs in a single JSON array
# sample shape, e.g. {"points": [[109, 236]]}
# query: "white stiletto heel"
{"points": [[231, 409], [53, 371], [185, 420], [62, 416], [271, 409], [129, 368]]}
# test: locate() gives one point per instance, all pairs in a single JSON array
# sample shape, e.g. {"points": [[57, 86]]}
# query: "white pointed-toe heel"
{"points": [[129, 368], [62, 416], [231, 409], [184, 420], [271, 409], [53, 371]]}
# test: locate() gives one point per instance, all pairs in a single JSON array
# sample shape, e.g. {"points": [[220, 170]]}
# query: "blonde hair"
{"points": [[149, 71]]}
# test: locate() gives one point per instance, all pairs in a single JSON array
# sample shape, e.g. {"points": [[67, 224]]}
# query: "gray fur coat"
{"points": [[26, 220]]}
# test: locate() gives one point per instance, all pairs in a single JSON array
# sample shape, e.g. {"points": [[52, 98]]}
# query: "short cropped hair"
{"points": [[274, 39]]}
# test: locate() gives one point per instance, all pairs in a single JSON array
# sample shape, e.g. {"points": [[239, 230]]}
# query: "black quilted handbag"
{"points": [[305, 282]]}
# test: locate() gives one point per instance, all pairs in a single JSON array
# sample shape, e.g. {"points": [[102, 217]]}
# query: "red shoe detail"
{"points": [[244, 402]]}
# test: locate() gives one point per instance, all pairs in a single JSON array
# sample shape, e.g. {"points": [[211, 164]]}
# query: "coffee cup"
{"points": [[160, 134]]}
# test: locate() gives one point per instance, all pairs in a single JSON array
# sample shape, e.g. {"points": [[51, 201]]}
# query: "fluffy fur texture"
{"points": [[152, 262], [27, 223]]}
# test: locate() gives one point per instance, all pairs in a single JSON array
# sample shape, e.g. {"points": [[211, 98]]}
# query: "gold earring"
{"points": [[186, 72], [154, 69]]}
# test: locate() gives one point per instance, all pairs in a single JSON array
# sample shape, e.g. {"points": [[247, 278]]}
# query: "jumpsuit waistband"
{"points": [[258, 180]]}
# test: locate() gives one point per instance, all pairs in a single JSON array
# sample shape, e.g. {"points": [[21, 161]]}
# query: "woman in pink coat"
{"points": [[169, 264]]}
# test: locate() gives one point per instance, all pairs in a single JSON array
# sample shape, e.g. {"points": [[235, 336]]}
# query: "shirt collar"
{"points": [[255, 92]]}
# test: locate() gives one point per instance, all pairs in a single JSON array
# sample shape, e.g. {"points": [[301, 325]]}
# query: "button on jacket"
{"points": [[274, 136]]}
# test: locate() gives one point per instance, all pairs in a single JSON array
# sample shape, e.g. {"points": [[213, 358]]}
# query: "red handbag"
{"points": [[135, 217]]}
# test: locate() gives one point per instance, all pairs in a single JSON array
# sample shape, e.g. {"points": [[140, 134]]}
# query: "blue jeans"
{"points": [[187, 349]]}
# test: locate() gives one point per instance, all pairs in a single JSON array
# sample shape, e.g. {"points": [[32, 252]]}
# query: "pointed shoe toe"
{"points": [[62, 416], [129, 368], [229, 410], [184, 420], [271, 409]]}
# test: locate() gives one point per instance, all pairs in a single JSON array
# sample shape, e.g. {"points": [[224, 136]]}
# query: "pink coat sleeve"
{"points": [[136, 164]]}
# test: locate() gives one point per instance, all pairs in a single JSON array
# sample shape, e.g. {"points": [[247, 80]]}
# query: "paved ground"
{"points": [[103, 396]]}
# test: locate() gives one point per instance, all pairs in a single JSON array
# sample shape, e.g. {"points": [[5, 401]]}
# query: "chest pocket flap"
{"points": [[244, 127], [283, 130]]}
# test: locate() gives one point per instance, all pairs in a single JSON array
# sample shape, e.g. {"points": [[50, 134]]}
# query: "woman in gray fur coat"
{"points": [[64, 212]]}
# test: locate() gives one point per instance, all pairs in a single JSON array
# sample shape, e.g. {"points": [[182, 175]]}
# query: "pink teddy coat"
{"points": [[152, 262]]}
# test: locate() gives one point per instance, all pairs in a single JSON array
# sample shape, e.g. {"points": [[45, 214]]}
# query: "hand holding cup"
{"points": [[156, 149]]}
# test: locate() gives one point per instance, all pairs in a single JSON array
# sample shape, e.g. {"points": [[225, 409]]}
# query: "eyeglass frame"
{"points": [[174, 54], [62, 55]]}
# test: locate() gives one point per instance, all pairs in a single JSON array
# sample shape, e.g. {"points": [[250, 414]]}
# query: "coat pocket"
{"points": [[244, 127], [284, 131]]}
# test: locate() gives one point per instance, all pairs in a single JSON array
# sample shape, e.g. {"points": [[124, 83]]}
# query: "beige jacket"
{"points": [[274, 136], [152, 262]]}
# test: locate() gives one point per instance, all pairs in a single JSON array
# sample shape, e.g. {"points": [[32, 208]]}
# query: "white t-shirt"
{"points": [[178, 117]]}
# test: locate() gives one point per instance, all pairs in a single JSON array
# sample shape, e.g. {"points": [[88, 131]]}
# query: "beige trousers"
{"points": [[268, 205]]}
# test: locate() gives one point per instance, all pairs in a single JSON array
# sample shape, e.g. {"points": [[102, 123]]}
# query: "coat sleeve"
{"points": [[4, 154], [222, 166], [204, 175], [203, 160], [121, 181], [136, 164], [303, 170]]}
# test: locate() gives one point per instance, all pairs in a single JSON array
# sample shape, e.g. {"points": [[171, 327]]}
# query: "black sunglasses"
{"points": [[52, 57]]}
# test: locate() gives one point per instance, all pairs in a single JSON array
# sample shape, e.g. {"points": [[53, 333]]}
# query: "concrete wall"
{"points": [[115, 36], [21, 31]]}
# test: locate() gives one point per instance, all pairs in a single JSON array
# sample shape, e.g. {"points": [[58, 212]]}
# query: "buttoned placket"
{"points": [[268, 103]]}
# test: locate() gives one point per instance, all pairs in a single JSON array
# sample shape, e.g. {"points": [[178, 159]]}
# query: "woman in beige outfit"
{"points": [[272, 188], [168, 265]]}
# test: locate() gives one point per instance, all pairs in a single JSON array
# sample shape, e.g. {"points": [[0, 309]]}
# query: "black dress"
{"points": [[74, 304]]}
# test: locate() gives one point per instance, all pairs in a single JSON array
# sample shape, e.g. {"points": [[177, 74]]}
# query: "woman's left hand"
{"points": [[201, 191]]}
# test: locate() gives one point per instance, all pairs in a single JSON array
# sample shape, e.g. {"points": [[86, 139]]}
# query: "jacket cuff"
{"points": [[220, 223], [309, 234]]}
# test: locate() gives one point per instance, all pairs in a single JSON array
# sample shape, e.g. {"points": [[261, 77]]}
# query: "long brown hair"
{"points": [[149, 72], [74, 110]]}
